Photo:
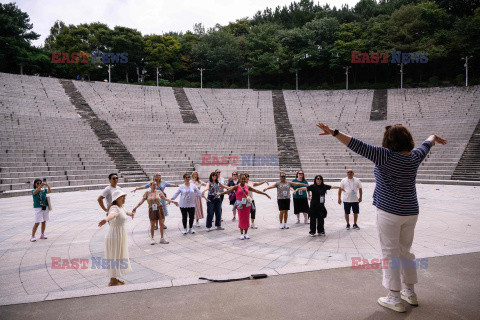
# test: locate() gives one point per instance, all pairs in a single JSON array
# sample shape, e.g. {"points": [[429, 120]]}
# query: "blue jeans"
{"points": [[214, 207]]}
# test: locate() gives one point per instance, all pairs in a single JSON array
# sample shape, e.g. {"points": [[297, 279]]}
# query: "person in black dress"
{"points": [[317, 211]]}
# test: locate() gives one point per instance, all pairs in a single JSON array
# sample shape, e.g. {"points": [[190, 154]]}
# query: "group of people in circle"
{"points": [[240, 191]]}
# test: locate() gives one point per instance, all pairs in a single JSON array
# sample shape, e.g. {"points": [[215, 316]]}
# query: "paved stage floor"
{"points": [[448, 224]]}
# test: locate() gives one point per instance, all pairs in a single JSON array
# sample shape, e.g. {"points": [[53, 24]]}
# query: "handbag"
{"points": [[232, 196]]}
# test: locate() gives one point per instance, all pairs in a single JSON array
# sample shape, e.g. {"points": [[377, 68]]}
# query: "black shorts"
{"points": [[300, 205], [283, 204], [354, 205], [253, 210]]}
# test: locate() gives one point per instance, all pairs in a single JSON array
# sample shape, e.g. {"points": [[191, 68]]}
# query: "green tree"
{"points": [[83, 39], [163, 51], [265, 49], [15, 37], [126, 40], [219, 53], [419, 27]]}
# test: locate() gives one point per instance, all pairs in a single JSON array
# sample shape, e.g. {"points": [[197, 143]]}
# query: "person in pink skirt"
{"points": [[198, 200], [243, 204]]}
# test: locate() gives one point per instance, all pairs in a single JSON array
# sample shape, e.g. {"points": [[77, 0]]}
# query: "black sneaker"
{"points": [[321, 234], [312, 234], [356, 227], [348, 226]]}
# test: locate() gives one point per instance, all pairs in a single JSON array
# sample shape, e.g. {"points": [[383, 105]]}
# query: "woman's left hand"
{"points": [[175, 202], [101, 223], [440, 140]]}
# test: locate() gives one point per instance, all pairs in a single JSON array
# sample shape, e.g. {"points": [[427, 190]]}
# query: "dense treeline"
{"points": [[305, 38]]}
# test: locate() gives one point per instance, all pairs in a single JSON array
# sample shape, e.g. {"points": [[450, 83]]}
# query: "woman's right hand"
{"points": [[133, 190], [325, 128], [101, 223]]}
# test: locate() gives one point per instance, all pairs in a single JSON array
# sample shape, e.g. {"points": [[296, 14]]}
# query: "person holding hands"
{"points": [[317, 210], [156, 212]]}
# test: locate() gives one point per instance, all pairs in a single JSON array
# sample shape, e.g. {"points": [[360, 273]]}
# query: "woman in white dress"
{"points": [[116, 247], [198, 200]]}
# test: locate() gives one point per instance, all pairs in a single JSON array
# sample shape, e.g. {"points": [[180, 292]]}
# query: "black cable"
{"points": [[253, 276]]}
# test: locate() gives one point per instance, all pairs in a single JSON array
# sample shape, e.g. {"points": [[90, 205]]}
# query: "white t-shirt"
{"points": [[351, 187], [250, 184], [107, 194]]}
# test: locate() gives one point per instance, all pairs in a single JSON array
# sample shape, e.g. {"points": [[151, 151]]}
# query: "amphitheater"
{"points": [[75, 133], [139, 130]]}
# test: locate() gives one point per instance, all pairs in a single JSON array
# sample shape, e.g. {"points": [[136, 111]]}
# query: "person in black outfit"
{"points": [[233, 182], [317, 211]]}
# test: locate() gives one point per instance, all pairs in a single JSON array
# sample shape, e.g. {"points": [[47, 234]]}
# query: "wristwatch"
{"points": [[335, 132]]}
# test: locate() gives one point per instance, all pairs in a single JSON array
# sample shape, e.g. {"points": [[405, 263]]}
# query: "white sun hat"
{"points": [[117, 194]]}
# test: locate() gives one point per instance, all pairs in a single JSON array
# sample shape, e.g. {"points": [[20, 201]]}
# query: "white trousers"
{"points": [[396, 236]]}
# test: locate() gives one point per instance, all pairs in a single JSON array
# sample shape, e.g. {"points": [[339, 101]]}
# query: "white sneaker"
{"points": [[392, 303], [191, 231], [152, 241], [209, 229], [409, 296], [254, 226], [184, 231], [306, 221], [285, 226], [242, 237], [163, 241], [247, 236], [298, 221], [33, 239], [282, 226]]}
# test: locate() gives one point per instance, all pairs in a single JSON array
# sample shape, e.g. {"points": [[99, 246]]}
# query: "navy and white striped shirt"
{"points": [[395, 176]]}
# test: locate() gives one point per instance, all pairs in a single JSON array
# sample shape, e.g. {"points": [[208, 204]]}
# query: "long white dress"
{"points": [[116, 247]]}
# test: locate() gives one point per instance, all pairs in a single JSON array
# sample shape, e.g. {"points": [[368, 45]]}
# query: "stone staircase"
{"points": [[124, 161], [288, 158], [186, 110], [468, 168], [379, 105]]}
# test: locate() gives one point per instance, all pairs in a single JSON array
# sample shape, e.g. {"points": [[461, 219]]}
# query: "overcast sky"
{"points": [[147, 16]]}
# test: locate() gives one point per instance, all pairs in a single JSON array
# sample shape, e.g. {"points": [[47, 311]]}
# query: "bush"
{"points": [[434, 81], [460, 80], [182, 83]]}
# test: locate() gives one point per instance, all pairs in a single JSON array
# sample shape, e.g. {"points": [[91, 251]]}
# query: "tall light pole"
{"points": [[201, 77], [248, 77], [346, 75], [401, 75], [466, 69], [157, 76], [109, 73]]}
